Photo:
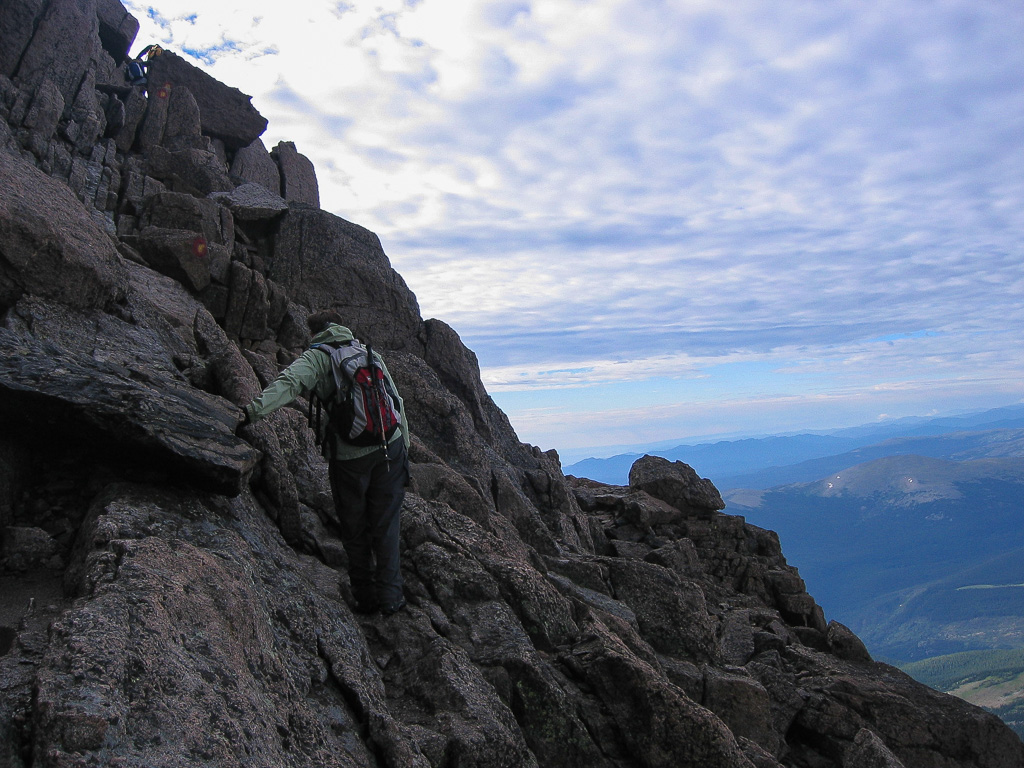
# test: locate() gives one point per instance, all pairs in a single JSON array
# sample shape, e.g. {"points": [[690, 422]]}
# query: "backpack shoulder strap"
{"points": [[330, 350], [327, 349], [342, 356], [317, 405]]}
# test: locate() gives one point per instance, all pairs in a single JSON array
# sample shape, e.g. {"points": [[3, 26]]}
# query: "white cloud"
{"points": [[748, 182]]}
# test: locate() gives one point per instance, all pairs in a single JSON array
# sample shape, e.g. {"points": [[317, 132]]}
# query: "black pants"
{"points": [[368, 494]]}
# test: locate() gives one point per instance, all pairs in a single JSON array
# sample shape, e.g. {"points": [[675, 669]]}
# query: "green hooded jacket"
{"points": [[312, 372]]}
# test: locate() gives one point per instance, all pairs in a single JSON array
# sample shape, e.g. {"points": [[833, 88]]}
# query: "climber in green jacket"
{"points": [[367, 481]]}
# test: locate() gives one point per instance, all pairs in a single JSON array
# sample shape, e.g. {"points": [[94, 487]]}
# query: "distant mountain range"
{"points": [[920, 556], [765, 462]]}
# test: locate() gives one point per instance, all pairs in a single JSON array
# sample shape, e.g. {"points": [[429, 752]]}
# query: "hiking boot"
{"points": [[393, 608], [365, 607], [364, 601]]}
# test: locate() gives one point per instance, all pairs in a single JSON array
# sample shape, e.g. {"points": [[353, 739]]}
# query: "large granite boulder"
{"points": [[252, 202], [178, 253], [676, 484], [49, 244], [18, 20], [64, 44], [194, 171], [226, 113], [324, 261], [869, 751], [254, 164], [131, 415], [298, 177], [117, 28], [45, 112]]}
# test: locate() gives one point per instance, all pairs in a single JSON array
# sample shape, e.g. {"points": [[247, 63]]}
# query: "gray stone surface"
{"points": [[117, 28], [868, 751], [254, 164], [178, 253], [676, 484], [63, 47], [252, 202], [298, 177], [323, 260], [226, 113], [49, 245], [18, 19], [187, 432], [174, 587]]}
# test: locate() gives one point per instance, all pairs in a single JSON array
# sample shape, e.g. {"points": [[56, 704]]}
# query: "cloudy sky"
{"points": [[665, 220]]}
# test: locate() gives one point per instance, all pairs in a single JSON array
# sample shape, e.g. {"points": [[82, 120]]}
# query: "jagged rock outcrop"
{"points": [[298, 177], [173, 594], [225, 113], [254, 164], [118, 28], [677, 485]]}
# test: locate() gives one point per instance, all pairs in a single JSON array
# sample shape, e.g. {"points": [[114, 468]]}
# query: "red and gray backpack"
{"points": [[364, 410]]}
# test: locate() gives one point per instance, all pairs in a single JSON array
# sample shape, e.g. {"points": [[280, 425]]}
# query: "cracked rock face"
{"points": [[174, 593]]}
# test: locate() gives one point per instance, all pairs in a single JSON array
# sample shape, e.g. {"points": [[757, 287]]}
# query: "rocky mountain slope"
{"points": [[171, 595]]}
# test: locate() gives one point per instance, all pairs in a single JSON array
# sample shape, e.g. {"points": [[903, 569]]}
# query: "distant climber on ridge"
{"points": [[136, 73], [151, 51], [366, 439]]}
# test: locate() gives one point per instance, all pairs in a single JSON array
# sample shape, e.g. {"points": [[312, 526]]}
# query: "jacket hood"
{"points": [[336, 334]]}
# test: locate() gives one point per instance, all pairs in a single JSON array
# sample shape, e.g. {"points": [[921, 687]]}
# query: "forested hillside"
{"points": [[990, 679]]}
